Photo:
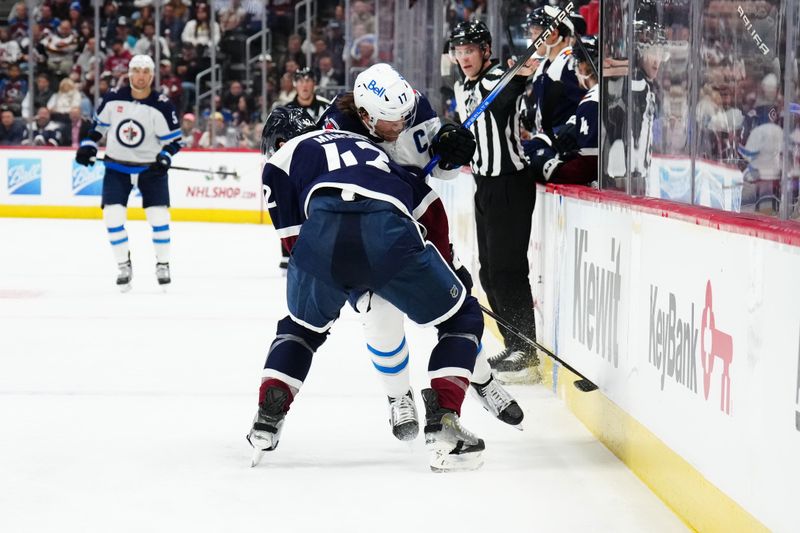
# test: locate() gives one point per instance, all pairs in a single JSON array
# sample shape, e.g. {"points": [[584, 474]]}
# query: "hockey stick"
{"points": [[506, 78], [582, 384], [173, 167]]}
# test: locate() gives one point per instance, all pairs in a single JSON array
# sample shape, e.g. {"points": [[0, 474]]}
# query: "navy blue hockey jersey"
{"points": [[334, 159]]}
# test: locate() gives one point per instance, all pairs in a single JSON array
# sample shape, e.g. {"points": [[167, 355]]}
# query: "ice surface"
{"points": [[127, 412]]}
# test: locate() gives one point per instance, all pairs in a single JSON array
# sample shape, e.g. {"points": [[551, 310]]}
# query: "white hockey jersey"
{"points": [[136, 130]]}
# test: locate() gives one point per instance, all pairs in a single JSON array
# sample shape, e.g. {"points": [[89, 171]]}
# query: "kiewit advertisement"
{"points": [[51, 177]]}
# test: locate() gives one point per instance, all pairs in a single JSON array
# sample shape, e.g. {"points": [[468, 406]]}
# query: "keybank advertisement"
{"points": [[697, 337], [51, 177]]}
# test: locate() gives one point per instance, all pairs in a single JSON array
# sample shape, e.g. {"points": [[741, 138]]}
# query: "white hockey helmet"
{"points": [[385, 95], [142, 61]]}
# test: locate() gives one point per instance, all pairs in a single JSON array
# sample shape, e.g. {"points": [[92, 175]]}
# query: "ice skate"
{"points": [[125, 275], [268, 423], [452, 447], [520, 366], [498, 402], [403, 417], [162, 274]]}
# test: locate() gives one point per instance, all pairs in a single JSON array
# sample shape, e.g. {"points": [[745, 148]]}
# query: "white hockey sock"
{"points": [[158, 217], [392, 367], [114, 217], [482, 371], [386, 342]]}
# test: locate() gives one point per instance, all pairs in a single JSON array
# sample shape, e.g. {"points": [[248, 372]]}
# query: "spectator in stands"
{"points": [[244, 113], [74, 15], [124, 34], [189, 132], [117, 62], [232, 17], [61, 47], [146, 43], [88, 57], [65, 99], [43, 91], [334, 37], [361, 13], [143, 16], [221, 139], [291, 67], [79, 127], [294, 53], [18, 17], [45, 18], [85, 32], [13, 89], [171, 84], [171, 24], [45, 132], [198, 31], [60, 8], [187, 68], [10, 51], [328, 75], [12, 130], [288, 92], [363, 51], [230, 97]]}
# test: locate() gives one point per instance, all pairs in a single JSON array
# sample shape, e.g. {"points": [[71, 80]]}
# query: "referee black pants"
{"points": [[503, 214]]}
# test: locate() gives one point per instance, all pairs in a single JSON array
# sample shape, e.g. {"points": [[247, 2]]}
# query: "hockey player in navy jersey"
{"points": [[571, 156], [142, 135], [419, 137], [556, 91], [345, 208]]}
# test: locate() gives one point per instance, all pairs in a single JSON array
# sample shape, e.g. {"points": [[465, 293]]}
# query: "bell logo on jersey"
{"points": [[130, 133]]}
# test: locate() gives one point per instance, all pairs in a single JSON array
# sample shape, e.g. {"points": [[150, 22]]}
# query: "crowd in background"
{"points": [[60, 47]]}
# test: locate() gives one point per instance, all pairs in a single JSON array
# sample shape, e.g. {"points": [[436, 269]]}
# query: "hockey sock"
{"points": [[271, 382], [114, 217], [482, 372], [386, 342], [451, 390], [158, 217]]}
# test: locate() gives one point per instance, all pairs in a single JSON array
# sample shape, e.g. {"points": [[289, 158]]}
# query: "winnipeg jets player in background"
{"points": [[345, 210], [142, 135], [386, 109]]}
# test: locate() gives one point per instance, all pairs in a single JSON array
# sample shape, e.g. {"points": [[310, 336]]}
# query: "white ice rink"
{"points": [[127, 412]]}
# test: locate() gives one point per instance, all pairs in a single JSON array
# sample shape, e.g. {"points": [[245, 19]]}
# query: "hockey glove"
{"points": [[87, 153], [163, 162], [454, 144], [551, 167], [461, 271]]}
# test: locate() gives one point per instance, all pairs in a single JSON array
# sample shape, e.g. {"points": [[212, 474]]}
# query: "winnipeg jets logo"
{"points": [[130, 133]]}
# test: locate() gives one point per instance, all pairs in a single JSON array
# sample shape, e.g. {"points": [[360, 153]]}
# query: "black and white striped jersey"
{"points": [[496, 131]]}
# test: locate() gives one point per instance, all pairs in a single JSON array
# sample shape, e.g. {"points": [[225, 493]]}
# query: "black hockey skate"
{"points": [[268, 423], [518, 366], [162, 274], [498, 402], [452, 447], [403, 416], [125, 275]]}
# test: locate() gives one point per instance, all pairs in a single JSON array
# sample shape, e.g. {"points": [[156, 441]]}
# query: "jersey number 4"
{"points": [[335, 159]]}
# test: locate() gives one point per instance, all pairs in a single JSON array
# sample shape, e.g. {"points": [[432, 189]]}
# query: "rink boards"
{"points": [[687, 319], [46, 182]]}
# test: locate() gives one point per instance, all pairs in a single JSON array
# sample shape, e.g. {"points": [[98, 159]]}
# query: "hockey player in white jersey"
{"points": [[142, 135], [384, 107]]}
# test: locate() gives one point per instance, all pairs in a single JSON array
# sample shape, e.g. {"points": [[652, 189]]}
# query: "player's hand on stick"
{"points": [[163, 162], [87, 153], [454, 144]]}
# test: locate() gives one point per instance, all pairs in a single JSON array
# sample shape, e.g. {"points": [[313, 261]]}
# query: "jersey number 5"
{"points": [[335, 159]]}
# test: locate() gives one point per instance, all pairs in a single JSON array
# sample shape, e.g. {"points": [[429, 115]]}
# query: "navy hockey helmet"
{"points": [[284, 124], [588, 50], [305, 73], [544, 16]]}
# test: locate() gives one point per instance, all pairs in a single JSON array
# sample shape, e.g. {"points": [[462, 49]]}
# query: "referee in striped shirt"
{"points": [[505, 193]]}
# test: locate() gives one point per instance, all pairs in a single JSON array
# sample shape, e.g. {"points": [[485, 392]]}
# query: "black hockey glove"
{"points": [[87, 153], [163, 162], [454, 144], [461, 271], [567, 139]]}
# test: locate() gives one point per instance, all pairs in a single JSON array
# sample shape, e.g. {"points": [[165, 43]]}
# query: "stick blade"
{"points": [[584, 385]]}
